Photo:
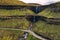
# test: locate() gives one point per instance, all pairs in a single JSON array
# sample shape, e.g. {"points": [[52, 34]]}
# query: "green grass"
{"points": [[4, 12], [30, 37], [14, 23], [10, 35], [49, 30], [11, 2], [47, 13]]}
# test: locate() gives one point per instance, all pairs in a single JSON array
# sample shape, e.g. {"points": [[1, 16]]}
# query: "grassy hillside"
{"points": [[4, 12], [10, 35], [50, 14], [11, 2], [15, 2], [14, 23], [53, 11], [48, 30]]}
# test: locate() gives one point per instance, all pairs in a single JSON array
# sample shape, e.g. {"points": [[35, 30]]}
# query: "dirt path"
{"points": [[29, 31]]}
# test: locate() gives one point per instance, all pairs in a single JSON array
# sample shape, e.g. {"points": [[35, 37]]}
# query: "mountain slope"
{"points": [[16, 2], [11, 2], [49, 30], [52, 10]]}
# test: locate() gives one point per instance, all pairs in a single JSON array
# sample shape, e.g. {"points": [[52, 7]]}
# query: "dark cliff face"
{"points": [[36, 18], [38, 9], [35, 9], [54, 6]]}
